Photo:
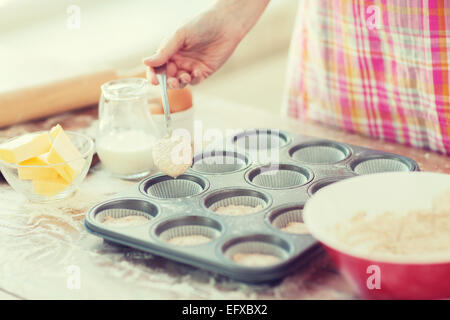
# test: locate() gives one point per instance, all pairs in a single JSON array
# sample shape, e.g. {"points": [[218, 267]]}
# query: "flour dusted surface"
{"points": [[126, 221]]}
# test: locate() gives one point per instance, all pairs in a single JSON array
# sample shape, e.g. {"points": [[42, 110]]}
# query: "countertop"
{"points": [[45, 249]]}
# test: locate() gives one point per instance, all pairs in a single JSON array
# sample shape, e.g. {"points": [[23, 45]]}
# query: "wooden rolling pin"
{"points": [[49, 99]]}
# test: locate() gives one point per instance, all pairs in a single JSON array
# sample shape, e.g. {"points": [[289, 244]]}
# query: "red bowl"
{"points": [[396, 281], [381, 276]]}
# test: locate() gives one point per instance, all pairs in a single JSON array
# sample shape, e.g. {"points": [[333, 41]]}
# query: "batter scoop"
{"points": [[172, 155]]}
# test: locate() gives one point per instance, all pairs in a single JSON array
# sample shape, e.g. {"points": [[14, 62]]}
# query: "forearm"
{"points": [[244, 13], [204, 44]]}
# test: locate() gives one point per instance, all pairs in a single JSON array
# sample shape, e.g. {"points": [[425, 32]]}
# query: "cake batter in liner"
{"points": [[165, 187], [265, 245], [281, 218], [117, 209], [236, 197], [187, 230]]}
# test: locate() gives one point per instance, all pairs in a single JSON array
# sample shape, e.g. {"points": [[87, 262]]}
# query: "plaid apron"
{"points": [[378, 68]]}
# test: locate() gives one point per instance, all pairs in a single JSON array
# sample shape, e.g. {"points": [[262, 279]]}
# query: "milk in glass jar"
{"points": [[126, 133]]}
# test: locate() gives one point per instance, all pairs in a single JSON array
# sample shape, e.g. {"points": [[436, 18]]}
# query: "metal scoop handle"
{"points": [[161, 75]]}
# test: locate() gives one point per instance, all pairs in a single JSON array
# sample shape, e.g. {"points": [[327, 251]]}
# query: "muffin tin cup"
{"points": [[188, 231], [382, 163], [262, 145], [282, 217], [219, 162], [236, 197], [261, 139], [256, 251], [182, 223], [123, 208], [320, 152], [165, 187], [279, 176], [322, 183]]}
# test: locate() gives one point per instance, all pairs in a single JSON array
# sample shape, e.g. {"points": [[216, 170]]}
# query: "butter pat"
{"points": [[30, 171], [55, 131], [25, 147], [65, 153], [50, 187]]}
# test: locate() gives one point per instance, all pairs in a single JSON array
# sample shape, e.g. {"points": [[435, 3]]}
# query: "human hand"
{"points": [[202, 46]]}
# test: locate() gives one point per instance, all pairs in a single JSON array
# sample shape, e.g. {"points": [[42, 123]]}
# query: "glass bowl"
{"points": [[48, 188]]}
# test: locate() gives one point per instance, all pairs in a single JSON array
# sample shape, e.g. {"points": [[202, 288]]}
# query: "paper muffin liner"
{"points": [[125, 208], [260, 139], [273, 251], [282, 218], [219, 162], [319, 154], [380, 165], [174, 188], [279, 179], [187, 231], [279, 176]]}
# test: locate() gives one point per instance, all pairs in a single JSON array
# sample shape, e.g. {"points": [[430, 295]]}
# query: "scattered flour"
{"points": [[126, 221]]}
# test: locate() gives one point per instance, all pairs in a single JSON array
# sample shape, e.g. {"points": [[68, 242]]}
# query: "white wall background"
{"points": [[37, 46]]}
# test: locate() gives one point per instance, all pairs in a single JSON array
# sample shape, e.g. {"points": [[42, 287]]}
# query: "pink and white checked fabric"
{"points": [[378, 68]]}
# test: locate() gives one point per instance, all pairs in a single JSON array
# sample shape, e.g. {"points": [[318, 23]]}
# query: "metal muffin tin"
{"points": [[185, 206]]}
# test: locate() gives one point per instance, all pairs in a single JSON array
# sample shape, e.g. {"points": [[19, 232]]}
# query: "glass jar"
{"points": [[126, 132]]}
